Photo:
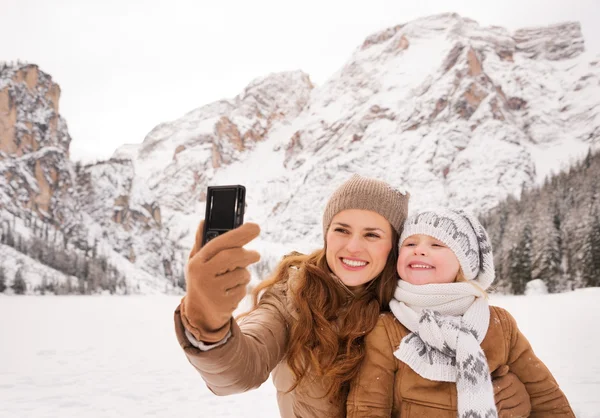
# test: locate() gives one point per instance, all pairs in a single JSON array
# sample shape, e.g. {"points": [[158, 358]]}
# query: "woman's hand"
{"points": [[216, 279], [512, 399]]}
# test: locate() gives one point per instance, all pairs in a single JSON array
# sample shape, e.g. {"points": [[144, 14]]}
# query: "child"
{"points": [[433, 355]]}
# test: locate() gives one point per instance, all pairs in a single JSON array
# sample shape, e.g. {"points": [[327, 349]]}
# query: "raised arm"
{"points": [[230, 358], [249, 354]]}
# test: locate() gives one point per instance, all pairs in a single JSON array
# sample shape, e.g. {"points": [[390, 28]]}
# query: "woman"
{"points": [[308, 326]]}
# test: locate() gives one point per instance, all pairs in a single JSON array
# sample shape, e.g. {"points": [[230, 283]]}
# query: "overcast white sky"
{"points": [[125, 66]]}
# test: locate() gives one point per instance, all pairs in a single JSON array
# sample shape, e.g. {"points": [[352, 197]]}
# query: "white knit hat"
{"points": [[463, 234]]}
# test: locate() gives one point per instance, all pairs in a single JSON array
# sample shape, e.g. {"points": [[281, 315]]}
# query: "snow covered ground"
{"points": [[79, 356]]}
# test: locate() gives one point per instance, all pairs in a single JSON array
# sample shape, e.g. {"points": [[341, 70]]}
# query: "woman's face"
{"points": [[424, 260], [358, 244]]}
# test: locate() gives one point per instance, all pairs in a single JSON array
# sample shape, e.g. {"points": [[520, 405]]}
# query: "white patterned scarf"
{"points": [[448, 322]]}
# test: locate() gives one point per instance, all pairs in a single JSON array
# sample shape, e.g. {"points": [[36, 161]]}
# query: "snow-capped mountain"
{"points": [[454, 112], [62, 222]]}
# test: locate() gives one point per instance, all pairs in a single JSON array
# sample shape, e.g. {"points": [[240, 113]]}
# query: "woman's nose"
{"points": [[355, 244]]}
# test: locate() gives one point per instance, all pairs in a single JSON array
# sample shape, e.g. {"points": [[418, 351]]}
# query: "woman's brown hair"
{"points": [[327, 339]]}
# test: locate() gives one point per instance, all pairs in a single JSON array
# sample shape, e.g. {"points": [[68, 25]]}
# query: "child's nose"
{"points": [[420, 249]]}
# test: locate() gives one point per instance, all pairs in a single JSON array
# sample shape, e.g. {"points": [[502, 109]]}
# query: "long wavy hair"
{"points": [[327, 338]]}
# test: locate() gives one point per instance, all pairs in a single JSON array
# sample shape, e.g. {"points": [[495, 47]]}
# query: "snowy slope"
{"points": [[119, 357]]}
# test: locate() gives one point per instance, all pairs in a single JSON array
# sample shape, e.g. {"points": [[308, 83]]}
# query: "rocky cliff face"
{"points": [[34, 144], [29, 118], [101, 205], [129, 216]]}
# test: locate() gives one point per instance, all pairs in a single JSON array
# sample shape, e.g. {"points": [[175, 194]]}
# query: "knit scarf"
{"points": [[448, 322]]}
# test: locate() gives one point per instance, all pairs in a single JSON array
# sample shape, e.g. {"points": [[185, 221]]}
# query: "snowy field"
{"points": [[79, 356]]}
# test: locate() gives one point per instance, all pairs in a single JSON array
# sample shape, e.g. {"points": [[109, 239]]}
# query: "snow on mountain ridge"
{"points": [[457, 113], [555, 42], [448, 114], [179, 159], [223, 128]]}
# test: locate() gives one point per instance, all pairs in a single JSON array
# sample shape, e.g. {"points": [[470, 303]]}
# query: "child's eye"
{"points": [[409, 244], [438, 245]]}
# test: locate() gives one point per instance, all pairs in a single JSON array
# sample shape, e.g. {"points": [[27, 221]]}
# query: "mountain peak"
{"points": [[457, 113], [554, 42]]}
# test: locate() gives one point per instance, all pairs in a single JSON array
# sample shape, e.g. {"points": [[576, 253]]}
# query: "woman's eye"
{"points": [[372, 235], [342, 230]]}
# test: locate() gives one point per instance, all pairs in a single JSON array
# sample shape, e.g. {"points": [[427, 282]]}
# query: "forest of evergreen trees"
{"points": [[92, 272], [551, 233]]}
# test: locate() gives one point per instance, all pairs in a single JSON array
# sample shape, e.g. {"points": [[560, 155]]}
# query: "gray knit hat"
{"points": [[369, 194], [463, 234]]}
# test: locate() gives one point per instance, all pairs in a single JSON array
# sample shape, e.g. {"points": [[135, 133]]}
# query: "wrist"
{"points": [[201, 345], [201, 329]]}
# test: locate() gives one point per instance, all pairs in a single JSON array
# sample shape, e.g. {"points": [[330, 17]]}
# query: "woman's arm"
{"points": [[372, 390], [546, 397], [256, 345]]}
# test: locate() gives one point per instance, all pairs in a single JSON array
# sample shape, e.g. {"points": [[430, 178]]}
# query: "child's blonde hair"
{"points": [[460, 278]]}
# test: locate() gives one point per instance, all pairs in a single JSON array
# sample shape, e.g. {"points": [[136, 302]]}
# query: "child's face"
{"points": [[424, 260]]}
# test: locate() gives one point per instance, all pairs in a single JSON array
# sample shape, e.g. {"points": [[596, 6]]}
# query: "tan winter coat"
{"points": [[386, 387], [256, 348]]}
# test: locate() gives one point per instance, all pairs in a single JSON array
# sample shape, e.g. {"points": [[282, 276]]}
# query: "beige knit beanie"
{"points": [[368, 194]]}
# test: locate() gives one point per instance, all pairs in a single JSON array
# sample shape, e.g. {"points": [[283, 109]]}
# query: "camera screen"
{"points": [[222, 214]]}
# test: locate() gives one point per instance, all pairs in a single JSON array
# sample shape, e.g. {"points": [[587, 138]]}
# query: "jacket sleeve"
{"points": [[546, 397], [372, 390], [256, 345]]}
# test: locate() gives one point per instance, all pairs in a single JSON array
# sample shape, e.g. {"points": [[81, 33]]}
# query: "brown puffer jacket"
{"points": [[257, 347], [386, 387]]}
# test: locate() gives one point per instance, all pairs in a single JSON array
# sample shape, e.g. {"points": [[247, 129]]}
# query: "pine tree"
{"points": [[82, 286], [588, 158], [520, 262], [181, 281], [10, 238], [547, 254], [19, 285], [590, 254], [2, 280], [44, 285]]}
